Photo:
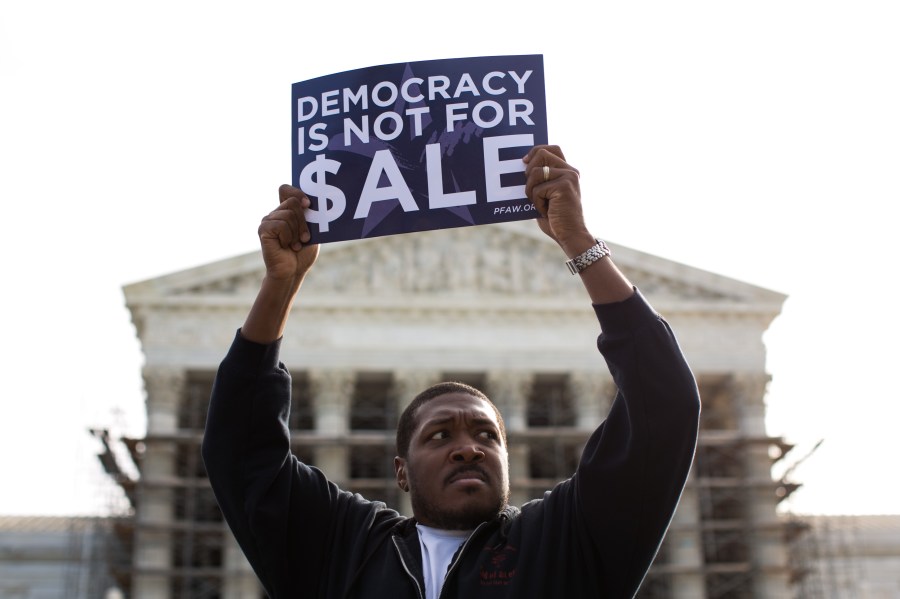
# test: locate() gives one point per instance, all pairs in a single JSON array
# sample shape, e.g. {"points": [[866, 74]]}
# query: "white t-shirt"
{"points": [[438, 548]]}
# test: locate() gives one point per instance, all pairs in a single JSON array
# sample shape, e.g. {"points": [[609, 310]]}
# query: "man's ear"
{"points": [[400, 472]]}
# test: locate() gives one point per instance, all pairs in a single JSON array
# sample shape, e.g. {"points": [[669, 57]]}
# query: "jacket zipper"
{"points": [[406, 568], [459, 554]]}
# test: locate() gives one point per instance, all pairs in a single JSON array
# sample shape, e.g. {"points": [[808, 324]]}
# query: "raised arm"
{"points": [[278, 509], [635, 465]]}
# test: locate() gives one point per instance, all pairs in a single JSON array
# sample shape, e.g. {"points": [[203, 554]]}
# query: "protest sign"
{"points": [[417, 146]]}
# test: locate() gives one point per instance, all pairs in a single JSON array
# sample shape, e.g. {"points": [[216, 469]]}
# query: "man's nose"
{"points": [[467, 453]]}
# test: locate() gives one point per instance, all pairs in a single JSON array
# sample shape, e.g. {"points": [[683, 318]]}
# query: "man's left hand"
{"points": [[553, 185]]}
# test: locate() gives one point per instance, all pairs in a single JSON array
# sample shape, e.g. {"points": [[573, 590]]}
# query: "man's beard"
{"points": [[466, 517]]}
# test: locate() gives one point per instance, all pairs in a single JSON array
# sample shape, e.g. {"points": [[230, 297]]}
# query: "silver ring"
{"points": [[546, 173]]}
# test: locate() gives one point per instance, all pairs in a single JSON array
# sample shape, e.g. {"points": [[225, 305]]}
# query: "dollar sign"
{"points": [[312, 182]]}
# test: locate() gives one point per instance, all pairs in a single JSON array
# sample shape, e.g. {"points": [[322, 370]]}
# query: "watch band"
{"points": [[589, 256]]}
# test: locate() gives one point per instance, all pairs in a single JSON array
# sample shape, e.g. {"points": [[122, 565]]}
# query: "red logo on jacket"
{"points": [[499, 569]]}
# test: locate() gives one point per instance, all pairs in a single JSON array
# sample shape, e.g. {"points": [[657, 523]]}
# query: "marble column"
{"points": [[509, 391], [155, 511], [240, 582], [153, 521], [165, 391], [593, 393], [408, 384], [332, 391], [768, 549], [685, 546]]}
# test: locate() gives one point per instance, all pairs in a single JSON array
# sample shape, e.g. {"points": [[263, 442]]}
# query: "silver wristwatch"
{"points": [[588, 257]]}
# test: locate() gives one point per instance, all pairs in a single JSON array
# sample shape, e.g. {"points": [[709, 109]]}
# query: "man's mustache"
{"points": [[467, 469]]}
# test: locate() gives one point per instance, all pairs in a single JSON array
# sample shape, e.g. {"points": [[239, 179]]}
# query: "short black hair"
{"points": [[407, 423]]}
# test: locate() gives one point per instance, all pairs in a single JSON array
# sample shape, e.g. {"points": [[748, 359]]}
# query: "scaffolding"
{"points": [[827, 553], [104, 549], [730, 500]]}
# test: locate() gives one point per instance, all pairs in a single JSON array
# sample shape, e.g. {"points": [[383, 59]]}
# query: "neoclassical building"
{"points": [[494, 306]]}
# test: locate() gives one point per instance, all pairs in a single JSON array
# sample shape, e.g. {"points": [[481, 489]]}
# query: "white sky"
{"points": [[759, 140]]}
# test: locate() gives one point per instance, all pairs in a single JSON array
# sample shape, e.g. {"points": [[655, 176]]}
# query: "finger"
{"points": [[537, 190], [303, 226], [284, 223], [545, 154], [534, 177], [278, 228], [560, 183], [288, 215], [536, 174], [289, 191], [297, 202], [549, 156]]}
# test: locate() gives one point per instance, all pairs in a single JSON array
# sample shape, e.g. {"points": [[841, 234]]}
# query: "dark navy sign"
{"points": [[417, 146]]}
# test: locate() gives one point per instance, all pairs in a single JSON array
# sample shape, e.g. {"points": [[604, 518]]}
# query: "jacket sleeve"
{"points": [[284, 514], [635, 465]]}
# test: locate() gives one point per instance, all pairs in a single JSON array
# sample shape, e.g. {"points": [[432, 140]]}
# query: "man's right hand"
{"points": [[284, 237]]}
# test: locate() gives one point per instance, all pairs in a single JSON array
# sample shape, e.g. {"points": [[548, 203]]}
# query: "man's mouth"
{"points": [[467, 473]]}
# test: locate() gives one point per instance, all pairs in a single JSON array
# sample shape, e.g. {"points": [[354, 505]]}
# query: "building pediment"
{"points": [[511, 264]]}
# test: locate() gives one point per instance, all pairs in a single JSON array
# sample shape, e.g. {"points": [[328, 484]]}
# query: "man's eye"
{"points": [[439, 435], [491, 435]]}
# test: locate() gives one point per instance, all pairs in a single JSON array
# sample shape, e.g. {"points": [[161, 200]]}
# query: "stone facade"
{"points": [[494, 306]]}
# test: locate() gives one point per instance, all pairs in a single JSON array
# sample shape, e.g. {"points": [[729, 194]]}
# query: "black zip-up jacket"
{"points": [[594, 535]]}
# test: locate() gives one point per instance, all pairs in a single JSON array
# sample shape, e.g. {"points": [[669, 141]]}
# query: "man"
{"points": [[593, 535]]}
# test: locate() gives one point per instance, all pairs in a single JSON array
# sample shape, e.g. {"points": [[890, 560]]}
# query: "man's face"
{"points": [[457, 467]]}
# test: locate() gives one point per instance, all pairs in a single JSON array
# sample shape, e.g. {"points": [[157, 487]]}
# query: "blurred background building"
{"points": [[378, 321], [54, 557], [848, 556]]}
